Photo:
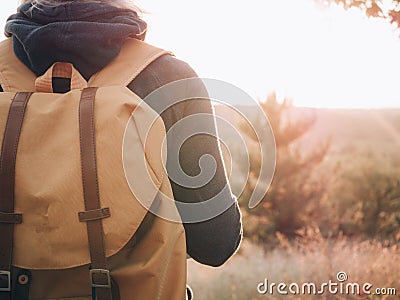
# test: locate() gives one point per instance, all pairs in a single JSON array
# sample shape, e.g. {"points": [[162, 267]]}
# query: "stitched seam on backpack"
{"points": [[166, 265], [4, 83], [159, 84], [162, 279], [148, 163]]}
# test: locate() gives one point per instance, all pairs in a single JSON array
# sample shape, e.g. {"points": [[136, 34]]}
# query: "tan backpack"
{"points": [[70, 226]]}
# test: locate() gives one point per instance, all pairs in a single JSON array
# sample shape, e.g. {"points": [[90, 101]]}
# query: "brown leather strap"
{"points": [[10, 218], [7, 183], [99, 274], [95, 214]]}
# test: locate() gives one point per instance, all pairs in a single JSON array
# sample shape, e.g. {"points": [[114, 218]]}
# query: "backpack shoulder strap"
{"points": [[133, 58], [14, 75]]}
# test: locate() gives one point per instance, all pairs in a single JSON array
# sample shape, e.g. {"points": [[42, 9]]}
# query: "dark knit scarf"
{"points": [[88, 35]]}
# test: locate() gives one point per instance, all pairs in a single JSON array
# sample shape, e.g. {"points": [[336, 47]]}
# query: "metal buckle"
{"points": [[101, 272], [6, 274]]}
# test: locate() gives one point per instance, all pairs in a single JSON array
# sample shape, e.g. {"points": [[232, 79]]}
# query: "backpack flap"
{"points": [[48, 181]]}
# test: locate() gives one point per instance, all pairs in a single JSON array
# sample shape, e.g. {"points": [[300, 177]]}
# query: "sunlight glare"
{"points": [[321, 57]]}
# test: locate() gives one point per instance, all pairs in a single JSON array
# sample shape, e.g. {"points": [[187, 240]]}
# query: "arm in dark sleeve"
{"points": [[212, 241]]}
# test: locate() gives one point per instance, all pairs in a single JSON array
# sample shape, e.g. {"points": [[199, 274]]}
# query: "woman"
{"points": [[89, 34]]}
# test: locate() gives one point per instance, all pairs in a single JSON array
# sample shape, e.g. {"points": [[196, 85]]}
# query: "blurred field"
{"points": [[352, 224], [316, 261]]}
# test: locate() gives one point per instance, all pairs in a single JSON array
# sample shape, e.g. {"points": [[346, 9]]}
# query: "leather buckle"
{"points": [[101, 273], [5, 276]]}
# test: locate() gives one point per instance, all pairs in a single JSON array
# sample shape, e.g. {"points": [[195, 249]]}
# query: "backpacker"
{"points": [[70, 226]]}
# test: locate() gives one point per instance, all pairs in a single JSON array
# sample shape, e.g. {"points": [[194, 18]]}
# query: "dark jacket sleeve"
{"points": [[212, 241]]}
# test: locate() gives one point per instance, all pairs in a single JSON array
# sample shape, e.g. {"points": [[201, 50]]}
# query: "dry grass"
{"points": [[311, 258]]}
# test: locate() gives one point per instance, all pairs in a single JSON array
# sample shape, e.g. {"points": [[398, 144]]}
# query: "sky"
{"points": [[315, 55]]}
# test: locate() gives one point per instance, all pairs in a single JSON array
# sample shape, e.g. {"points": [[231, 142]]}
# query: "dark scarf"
{"points": [[88, 35]]}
